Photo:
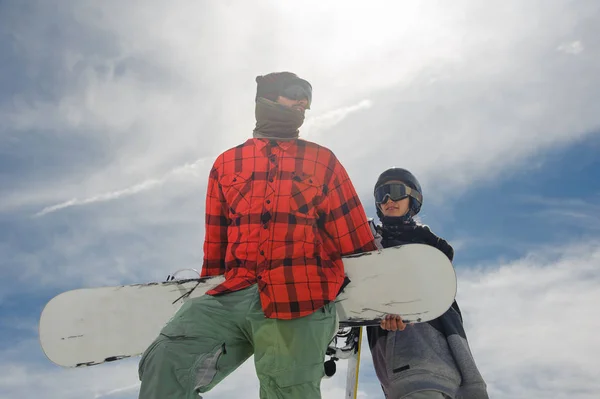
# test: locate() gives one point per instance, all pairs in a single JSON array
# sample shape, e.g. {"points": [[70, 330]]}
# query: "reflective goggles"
{"points": [[395, 192], [297, 90]]}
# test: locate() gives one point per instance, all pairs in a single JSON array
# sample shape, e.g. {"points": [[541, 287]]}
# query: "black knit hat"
{"points": [[271, 86], [405, 177]]}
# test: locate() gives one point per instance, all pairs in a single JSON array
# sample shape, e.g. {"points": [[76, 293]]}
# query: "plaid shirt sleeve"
{"points": [[216, 220], [347, 222]]}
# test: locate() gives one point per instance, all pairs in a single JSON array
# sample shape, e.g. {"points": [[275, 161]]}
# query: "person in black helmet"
{"points": [[425, 360]]}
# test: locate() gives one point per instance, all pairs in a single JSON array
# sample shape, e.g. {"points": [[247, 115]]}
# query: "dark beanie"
{"points": [[270, 86]]}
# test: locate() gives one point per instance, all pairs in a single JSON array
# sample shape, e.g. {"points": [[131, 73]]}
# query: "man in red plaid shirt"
{"points": [[280, 214]]}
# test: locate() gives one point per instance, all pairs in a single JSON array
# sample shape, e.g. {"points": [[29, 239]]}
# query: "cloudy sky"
{"points": [[111, 113]]}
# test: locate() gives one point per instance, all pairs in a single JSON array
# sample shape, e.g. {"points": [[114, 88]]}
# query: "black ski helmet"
{"points": [[407, 178]]}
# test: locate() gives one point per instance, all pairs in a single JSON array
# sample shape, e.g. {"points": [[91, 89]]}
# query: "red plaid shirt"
{"points": [[281, 214]]}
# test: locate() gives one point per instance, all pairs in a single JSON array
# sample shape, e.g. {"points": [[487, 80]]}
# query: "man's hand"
{"points": [[392, 322]]}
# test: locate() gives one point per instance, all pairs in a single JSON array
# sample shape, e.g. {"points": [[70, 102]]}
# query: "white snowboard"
{"points": [[90, 326]]}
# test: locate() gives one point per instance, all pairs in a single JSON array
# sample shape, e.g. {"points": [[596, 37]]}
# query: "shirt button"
{"points": [[271, 180], [265, 226], [262, 252], [268, 201]]}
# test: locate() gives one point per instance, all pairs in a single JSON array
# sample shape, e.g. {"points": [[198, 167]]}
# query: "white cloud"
{"points": [[118, 391], [531, 325], [313, 126], [574, 48], [472, 88], [570, 211], [187, 169]]}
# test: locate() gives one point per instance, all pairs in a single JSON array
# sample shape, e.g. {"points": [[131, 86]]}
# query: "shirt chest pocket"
{"points": [[306, 193], [237, 189]]}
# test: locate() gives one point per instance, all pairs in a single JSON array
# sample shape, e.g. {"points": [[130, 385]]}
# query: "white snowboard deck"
{"points": [[85, 327]]}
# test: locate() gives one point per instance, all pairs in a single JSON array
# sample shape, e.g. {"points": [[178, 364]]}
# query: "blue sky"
{"points": [[554, 201], [111, 114]]}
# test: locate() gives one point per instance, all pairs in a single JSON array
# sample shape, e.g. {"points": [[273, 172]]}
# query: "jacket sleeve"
{"points": [[472, 385], [346, 222], [216, 222], [425, 235]]}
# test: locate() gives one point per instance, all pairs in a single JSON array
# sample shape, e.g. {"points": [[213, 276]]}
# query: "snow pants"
{"points": [[210, 336]]}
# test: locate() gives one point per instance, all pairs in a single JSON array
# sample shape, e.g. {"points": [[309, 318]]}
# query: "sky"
{"points": [[112, 112]]}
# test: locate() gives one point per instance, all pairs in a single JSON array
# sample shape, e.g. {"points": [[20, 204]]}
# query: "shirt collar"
{"points": [[262, 143]]}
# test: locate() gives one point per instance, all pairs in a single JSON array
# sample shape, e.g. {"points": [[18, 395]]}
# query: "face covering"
{"points": [[276, 121]]}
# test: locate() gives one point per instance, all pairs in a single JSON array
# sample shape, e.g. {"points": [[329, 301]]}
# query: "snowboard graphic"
{"points": [[90, 326]]}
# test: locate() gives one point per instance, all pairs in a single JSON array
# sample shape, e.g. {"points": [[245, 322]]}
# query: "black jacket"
{"points": [[426, 356]]}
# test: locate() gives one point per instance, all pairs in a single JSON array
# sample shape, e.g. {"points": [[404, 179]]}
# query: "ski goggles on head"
{"points": [[298, 89], [395, 192]]}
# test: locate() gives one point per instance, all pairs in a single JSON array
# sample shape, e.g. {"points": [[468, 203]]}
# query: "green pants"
{"points": [[211, 336]]}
